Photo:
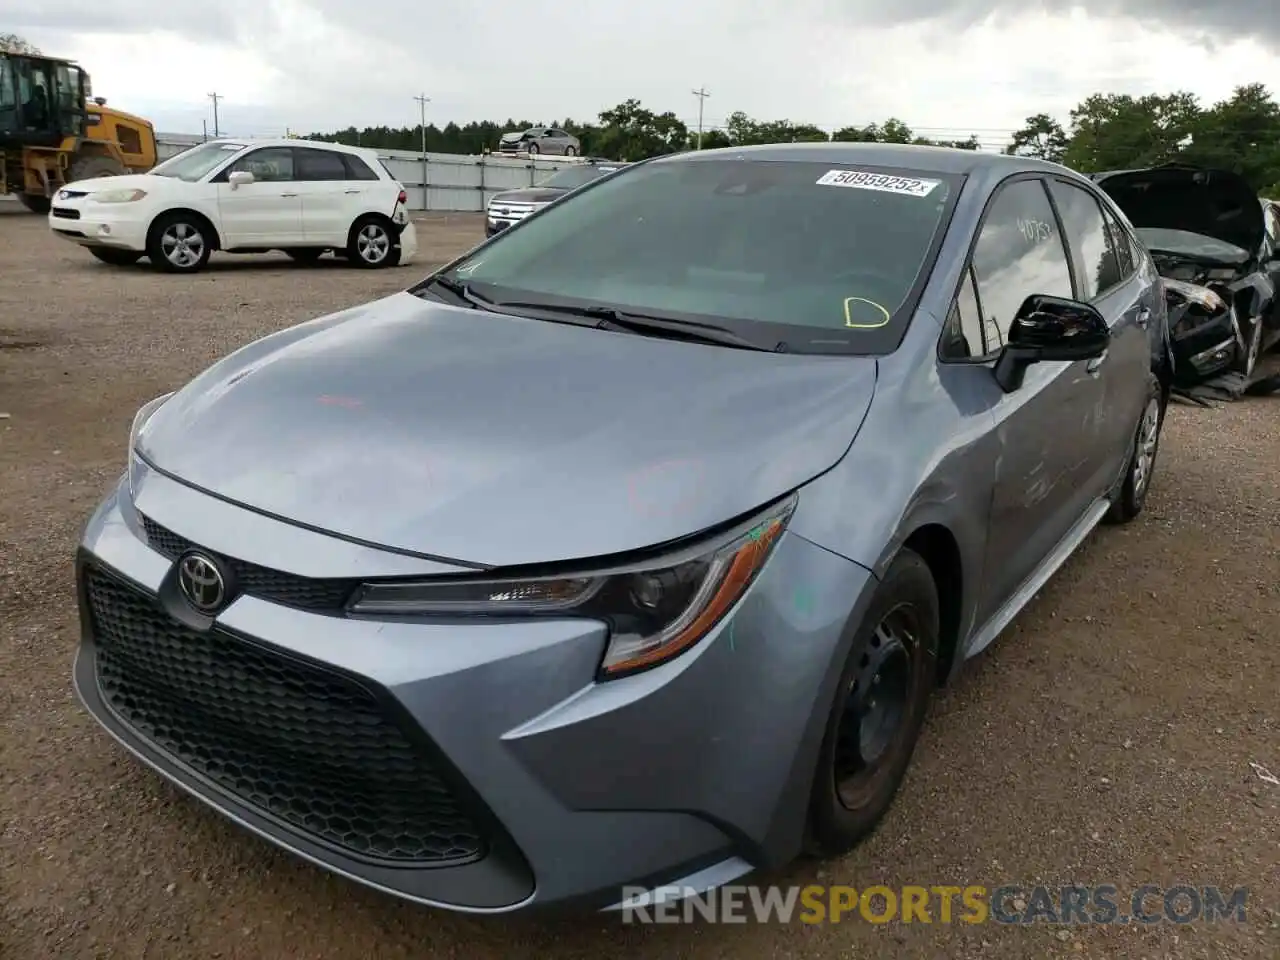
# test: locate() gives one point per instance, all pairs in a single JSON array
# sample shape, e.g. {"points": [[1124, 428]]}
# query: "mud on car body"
{"points": [[1207, 231]]}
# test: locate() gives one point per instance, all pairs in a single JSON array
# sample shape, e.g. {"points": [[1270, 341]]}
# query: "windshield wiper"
{"points": [[612, 318], [461, 290]]}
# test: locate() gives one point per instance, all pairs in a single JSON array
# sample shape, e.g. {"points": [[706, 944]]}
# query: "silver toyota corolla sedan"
{"points": [[627, 549]]}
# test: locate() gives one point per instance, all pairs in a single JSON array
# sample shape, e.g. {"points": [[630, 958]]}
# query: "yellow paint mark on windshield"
{"points": [[849, 312]]}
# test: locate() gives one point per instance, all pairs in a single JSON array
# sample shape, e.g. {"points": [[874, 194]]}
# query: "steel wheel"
{"points": [[877, 704], [373, 243], [182, 245]]}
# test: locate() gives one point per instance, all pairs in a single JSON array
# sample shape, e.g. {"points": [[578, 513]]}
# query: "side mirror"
{"points": [[240, 178], [1050, 329]]}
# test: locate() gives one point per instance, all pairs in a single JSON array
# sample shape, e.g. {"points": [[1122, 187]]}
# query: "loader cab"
{"points": [[41, 100]]}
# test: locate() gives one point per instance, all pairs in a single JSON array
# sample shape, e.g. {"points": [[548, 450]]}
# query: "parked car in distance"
{"points": [[629, 547], [1218, 248], [512, 206], [243, 196], [549, 140]]}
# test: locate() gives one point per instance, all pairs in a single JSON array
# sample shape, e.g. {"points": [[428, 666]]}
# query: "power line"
{"points": [[215, 98], [702, 94]]}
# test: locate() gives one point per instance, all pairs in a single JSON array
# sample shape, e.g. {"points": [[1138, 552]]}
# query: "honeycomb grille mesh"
{"points": [[287, 589], [309, 747]]}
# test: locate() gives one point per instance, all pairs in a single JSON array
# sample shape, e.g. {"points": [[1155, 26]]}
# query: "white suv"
{"points": [[299, 196]]}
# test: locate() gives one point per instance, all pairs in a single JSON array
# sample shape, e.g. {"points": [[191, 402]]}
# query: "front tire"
{"points": [[533, 149], [35, 202], [1142, 458], [117, 258], [879, 709], [179, 243], [373, 244]]}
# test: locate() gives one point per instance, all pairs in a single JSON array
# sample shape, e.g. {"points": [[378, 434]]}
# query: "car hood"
{"points": [[481, 438], [1212, 203], [530, 195], [513, 137], [129, 181]]}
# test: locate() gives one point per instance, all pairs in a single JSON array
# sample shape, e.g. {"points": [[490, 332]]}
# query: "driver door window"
{"points": [[268, 165], [1019, 253]]}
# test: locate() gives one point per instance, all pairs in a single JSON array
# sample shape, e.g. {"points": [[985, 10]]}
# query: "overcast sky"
{"points": [[946, 68]]}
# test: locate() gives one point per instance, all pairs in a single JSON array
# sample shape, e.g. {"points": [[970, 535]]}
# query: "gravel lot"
{"points": [[1107, 738]]}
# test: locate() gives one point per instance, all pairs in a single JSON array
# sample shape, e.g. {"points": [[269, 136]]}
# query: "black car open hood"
{"points": [[1212, 203]]}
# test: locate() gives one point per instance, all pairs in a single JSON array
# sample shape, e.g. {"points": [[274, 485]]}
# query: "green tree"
{"points": [[1042, 137], [1115, 131], [12, 43], [1241, 134], [892, 130], [631, 132]]}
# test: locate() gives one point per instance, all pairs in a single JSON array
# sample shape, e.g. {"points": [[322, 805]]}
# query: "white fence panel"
{"points": [[453, 181]]}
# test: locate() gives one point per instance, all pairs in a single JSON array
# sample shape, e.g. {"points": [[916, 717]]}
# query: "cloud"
{"points": [[947, 69], [1218, 21]]}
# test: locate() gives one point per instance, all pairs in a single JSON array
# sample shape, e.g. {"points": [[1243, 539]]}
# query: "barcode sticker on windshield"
{"points": [[877, 181]]}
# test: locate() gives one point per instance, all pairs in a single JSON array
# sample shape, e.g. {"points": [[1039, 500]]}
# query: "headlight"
{"points": [[654, 611], [1194, 293], [118, 196], [140, 419]]}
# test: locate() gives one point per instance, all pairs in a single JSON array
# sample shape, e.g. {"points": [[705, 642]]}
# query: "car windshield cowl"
{"points": [[821, 257]]}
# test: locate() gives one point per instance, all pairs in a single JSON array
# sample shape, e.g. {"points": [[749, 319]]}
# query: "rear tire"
{"points": [[570, 152], [305, 254], [179, 242], [1142, 458], [117, 258], [35, 203], [879, 709], [373, 243]]}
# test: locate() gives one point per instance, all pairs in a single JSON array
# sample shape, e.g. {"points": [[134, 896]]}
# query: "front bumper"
{"points": [[121, 226], [516, 779]]}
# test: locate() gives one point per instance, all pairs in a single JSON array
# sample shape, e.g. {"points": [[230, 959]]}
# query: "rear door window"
{"points": [[1097, 267]]}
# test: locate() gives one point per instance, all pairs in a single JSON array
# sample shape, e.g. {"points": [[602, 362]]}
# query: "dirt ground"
{"points": [[1106, 738]]}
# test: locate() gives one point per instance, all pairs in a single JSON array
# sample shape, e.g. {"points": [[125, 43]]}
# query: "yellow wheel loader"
{"points": [[52, 133]]}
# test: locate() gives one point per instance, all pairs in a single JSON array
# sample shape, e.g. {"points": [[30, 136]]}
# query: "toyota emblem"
{"points": [[201, 582]]}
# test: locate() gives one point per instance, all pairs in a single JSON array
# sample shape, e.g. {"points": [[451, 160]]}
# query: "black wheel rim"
{"points": [[877, 706]]}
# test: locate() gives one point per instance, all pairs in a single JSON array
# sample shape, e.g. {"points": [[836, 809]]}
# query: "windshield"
{"points": [[827, 256], [571, 178], [1185, 243], [191, 165]]}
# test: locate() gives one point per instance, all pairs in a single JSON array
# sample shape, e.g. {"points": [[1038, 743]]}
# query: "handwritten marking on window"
{"points": [[1034, 231]]}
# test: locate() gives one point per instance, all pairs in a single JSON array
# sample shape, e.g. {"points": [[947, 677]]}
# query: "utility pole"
{"points": [[702, 94], [215, 98], [204, 127], [423, 100]]}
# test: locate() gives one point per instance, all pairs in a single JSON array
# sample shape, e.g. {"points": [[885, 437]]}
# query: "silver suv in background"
{"points": [[512, 206], [549, 140]]}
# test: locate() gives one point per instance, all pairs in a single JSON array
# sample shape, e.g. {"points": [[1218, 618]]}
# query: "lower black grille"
{"points": [[66, 214], [287, 589], [308, 746]]}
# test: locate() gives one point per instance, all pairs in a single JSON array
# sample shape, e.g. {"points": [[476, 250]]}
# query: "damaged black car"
{"points": [[1207, 231]]}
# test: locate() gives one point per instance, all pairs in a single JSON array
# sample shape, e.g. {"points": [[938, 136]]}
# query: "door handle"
{"points": [[1095, 365], [350, 191], [288, 194]]}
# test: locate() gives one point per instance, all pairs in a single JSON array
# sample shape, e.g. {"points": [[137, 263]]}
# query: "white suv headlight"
{"points": [[117, 196]]}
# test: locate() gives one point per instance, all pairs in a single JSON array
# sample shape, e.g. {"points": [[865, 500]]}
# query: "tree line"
{"points": [[1106, 131]]}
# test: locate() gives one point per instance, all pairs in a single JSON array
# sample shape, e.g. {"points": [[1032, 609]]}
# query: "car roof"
{"points": [[297, 142], [945, 160]]}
